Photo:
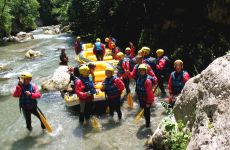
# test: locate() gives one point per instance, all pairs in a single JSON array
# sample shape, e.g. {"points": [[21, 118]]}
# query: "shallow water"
{"points": [[68, 134]]}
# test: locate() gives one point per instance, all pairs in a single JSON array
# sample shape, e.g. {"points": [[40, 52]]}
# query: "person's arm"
{"points": [[186, 77], [132, 50], [103, 85], [79, 90], [150, 95], [94, 50], [36, 94], [76, 46], [170, 88], [103, 49], [161, 64], [119, 84], [17, 91], [133, 73]]}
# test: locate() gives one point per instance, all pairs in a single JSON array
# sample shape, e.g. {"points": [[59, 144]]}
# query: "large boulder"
{"points": [[23, 36], [51, 30], [59, 80], [204, 107], [33, 54]]}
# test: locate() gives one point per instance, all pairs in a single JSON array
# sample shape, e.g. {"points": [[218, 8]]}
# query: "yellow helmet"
{"points": [[146, 50], [120, 55], [26, 75], [107, 40], [178, 61], [98, 40], [128, 49], [160, 52], [78, 37], [109, 69], [142, 66], [140, 52], [84, 70]]}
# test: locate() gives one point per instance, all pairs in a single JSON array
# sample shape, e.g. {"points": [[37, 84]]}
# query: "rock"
{"points": [[65, 29], [59, 80], [51, 30], [203, 106], [33, 54], [23, 36], [2, 67]]}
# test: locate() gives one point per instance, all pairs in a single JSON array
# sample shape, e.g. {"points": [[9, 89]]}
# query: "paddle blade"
{"points": [[45, 122], [107, 109], [139, 116], [95, 123], [130, 101]]}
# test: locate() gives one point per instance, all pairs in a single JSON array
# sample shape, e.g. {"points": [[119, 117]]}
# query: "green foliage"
{"points": [[18, 14], [25, 13], [60, 10], [176, 137], [6, 18]]}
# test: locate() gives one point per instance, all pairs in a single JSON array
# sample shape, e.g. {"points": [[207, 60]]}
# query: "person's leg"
{"points": [[35, 112], [111, 107], [27, 116], [82, 109], [118, 107], [97, 56], [126, 83], [88, 109], [147, 116], [161, 84]]}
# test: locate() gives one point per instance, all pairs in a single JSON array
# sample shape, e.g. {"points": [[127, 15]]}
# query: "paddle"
{"points": [[95, 123], [44, 121], [139, 116], [130, 101]]}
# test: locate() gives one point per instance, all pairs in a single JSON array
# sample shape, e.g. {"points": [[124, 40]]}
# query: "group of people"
{"points": [[148, 73]]}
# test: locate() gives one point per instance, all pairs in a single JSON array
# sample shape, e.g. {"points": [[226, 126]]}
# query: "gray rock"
{"points": [[204, 104], [33, 54], [23, 36], [59, 80]]}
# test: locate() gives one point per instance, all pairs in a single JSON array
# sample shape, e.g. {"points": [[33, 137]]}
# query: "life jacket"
{"points": [[150, 61], [140, 88], [119, 68], [26, 101], [177, 82], [111, 89], [89, 86], [98, 46]]}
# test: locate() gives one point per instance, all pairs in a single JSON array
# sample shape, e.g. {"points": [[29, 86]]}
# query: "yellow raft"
{"points": [[87, 55]]}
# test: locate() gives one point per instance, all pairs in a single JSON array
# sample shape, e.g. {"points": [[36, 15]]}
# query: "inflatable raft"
{"points": [[87, 55]]}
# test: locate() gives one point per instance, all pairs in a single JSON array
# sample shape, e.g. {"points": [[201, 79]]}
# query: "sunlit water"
{"points": [[67, 134]]}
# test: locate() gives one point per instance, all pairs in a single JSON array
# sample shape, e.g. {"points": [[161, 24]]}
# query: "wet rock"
{"points": [[204, 106], [23, 36], [3, 68], [59, 80], [33, 54], [51, 30]]}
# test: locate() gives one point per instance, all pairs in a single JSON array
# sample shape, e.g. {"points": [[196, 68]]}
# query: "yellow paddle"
{"points": [[44, 121], [107, 110], [95, 123], [139, 116], [130, 101]]}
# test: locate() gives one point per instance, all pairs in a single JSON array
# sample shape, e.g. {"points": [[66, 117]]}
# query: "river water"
{"points": [[67, 134]]}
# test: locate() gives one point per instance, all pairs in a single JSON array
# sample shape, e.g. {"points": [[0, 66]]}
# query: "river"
{"points": [[67, 134]]}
